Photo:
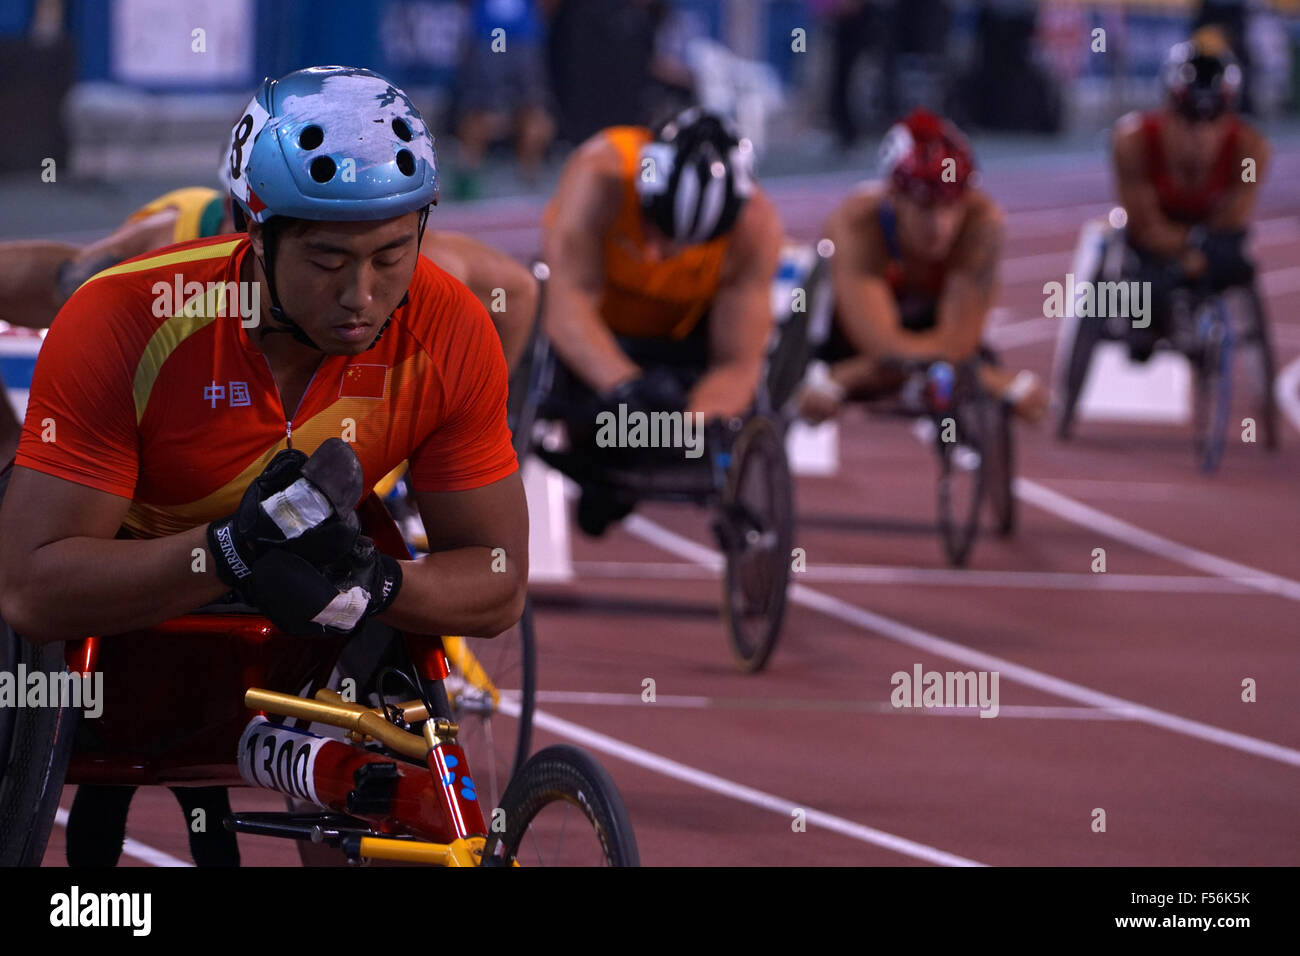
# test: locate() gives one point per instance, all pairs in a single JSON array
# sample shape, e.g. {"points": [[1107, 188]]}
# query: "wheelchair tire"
{"points": [[1263, 341], [962, 484], [35, 749], [999, 465], [510, 661], [1087, 334], [756, 528], [539, 805], [1213, 400]]}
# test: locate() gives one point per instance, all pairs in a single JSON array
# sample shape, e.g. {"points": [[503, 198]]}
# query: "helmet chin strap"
{"points": [[270, 239]]}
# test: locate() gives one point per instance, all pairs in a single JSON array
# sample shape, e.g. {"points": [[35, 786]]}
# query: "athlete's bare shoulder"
{"points": [[1128, 146], [449, 251]]}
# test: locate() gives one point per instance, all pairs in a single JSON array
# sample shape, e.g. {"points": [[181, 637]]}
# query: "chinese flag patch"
{"points": [[363, 381]]}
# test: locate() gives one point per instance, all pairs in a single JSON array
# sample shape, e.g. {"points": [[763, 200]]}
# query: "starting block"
{"points": [[1118, 390], [550, 557], [813, 449]]}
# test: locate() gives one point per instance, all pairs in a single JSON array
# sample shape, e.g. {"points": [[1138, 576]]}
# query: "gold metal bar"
{"points": [[464, 852], [348, 716]]}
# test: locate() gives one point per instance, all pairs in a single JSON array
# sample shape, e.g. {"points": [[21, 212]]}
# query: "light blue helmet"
{"points": [[331, 143]]}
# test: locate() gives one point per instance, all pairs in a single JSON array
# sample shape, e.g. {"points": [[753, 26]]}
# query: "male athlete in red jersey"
{"points": [[914, 273], [1187, 177], [157, 428]]}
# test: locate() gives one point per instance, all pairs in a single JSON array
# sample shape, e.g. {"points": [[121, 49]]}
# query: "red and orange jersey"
{"points": [[178, 411]]}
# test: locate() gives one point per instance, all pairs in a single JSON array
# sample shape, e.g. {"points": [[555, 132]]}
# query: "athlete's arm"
{"points": [[1237, 207], [486, 270], [864, 303], [29, 281], [969, 288], [1148, 227], [37, 277], [466, 586], [586, 205], [740, 321], [63, 575]]}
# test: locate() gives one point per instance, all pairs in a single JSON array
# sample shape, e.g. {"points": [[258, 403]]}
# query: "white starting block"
{"points": [[1118, 390], [550, 557], [813, 449]]}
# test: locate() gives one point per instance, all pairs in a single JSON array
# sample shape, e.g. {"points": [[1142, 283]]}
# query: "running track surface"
{"points": [[1119, 691]]}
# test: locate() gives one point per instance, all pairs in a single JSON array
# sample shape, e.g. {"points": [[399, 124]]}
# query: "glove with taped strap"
{"points": [[303, 505], [307, 601]]}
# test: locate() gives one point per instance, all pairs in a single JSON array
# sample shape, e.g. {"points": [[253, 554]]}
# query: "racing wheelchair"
{"points": [[970, 429], [395, 784], [742, 477], [1210, 328]]}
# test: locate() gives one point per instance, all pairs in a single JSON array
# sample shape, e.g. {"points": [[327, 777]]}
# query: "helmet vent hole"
{"points": [[322, 169], [406, 162], [310, 138], [402, 130]]}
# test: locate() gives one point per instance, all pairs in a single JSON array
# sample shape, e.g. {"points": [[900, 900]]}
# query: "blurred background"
{"points": [[128, 96]]}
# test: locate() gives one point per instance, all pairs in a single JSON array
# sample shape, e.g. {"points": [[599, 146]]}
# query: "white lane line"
{"points": [[923, 640], [727, 788], [681, 701], [1286, 388], [951, 577], [133, 848], [1091, 518]]}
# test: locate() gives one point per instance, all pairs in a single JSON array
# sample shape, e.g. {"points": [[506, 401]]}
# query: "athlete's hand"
{"points": [[655, 390], [302, 504], [307, 601]]}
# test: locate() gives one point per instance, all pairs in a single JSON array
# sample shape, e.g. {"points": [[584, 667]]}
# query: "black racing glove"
{"points": [[1226, 261], [299, 503], [306, 601], [655, 390]]}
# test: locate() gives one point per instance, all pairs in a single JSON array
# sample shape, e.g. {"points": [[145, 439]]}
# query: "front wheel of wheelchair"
{"points": [[1000, 472], [561, 809], [1265, 371], [1088, 332], [756, 529], [1213, 400], [35, 748], [963, 475], [491, 691]]}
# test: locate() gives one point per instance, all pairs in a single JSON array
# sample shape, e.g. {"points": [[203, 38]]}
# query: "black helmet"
{"points": [[1201, 77], [694, 176]]}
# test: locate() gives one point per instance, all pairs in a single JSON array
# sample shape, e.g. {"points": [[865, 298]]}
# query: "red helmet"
{"points": [[927, 158]]}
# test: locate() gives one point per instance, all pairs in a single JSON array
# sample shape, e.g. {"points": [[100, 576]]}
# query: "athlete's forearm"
{"points": [[725, 390], [515, 324], [82, 586], [583, 342], [475, 592], [29, 281]]}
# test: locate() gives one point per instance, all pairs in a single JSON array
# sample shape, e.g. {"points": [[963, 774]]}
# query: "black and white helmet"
{"points": [[694, 176]]}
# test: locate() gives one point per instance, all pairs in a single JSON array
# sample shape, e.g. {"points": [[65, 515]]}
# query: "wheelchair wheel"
{"points": [[492, 690], [1088, 332], [1265, 369], [562, 809], [756, 529], [999, 464], [963, 475], [35, 748], [1213, 389]]}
